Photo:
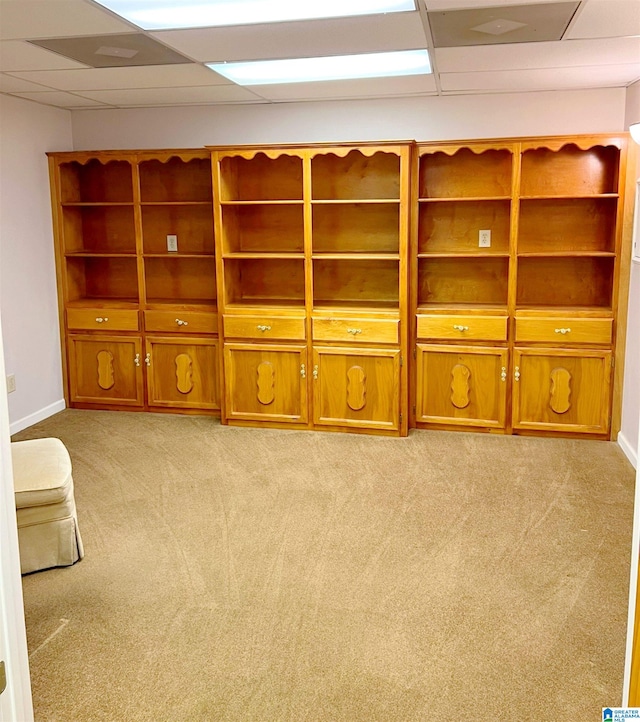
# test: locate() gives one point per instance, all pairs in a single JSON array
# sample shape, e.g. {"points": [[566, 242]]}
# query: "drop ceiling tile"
{"points": [[23, 19], [606, 76], [606, 18], [10, 84], [19, 55], [508, 24], [340, 89], [60, 100], [523, 56], [468, 4], [174, 96], [151, 76], [373, 33]]}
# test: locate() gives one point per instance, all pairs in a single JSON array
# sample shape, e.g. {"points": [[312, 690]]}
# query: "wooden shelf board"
{"points": [[92, 254], [499, 308], [176, 203], [465, 199], [167, 304], [265, 202], [265, 305], [354, 201], [180, 254], [102, 302], [180, 301], [536, 310], [96, 204], [569, 196], [361, 306], [567, 254], [274, 255], [356, 256], [480, 254]]}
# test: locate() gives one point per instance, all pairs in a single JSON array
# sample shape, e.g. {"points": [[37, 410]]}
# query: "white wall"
{"points": [[628, 437], [431, 118], [28, 300]]}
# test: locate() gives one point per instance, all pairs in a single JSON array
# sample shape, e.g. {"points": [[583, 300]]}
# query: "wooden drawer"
{"points": [[102, 319], [361, 330], [564, 330], [464, 328], [185, 322], [285, 328]]}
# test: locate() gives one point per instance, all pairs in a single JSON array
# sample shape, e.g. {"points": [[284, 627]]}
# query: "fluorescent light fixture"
{"points": [[173, 14], [634, 129], [337, 67]]}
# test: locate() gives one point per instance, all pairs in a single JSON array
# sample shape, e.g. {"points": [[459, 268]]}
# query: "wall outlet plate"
{"points": [[11, 383], [172, 243], [484, 239]]}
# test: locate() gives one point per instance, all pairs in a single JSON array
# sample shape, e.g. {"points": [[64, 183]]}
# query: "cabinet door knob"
{"points": [[303, 371], [503, 374], [563, 331], [180, 322], [147, 359], [100, 319], [460, 328], [136, 360], [263, 328], [517, 373], [315, 372], [354, 331]]}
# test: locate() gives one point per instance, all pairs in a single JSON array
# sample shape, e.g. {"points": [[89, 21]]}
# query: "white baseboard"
{"points": [[39, 415], [629, 451]]}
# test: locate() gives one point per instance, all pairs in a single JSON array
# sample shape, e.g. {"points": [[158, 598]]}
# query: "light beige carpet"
{"points": [[254, 574]]}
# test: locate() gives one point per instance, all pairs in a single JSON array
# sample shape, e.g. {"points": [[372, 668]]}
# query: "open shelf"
{"points": [[570, 224], [175, 180], [263, 228], [264, 282], [102, 277], [465, 174], [193, 225], [355, 176], [473, 281], [567, 282], [569, 171], [356, 228], [454, 226], [96, 182], [366, 281], [260, 178], [100, 229], [180, 278]]}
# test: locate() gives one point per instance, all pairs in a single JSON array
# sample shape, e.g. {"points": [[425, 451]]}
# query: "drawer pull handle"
{"points": [[303, 371], [460, 328], [100, 319], [354, 331], [147, 359], [503, 374], [180, 322], [263, 328], [517, 373], [315, 371], [563, 331], [136, 360]]}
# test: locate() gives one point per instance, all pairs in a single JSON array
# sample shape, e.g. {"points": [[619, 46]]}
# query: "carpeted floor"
{"points": [[253, 574]]}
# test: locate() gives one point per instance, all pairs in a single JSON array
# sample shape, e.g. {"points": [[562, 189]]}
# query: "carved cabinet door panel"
{"points": [[562, 390], [356, 387], [461, 385], [266, 382], [182, 373], [105, 370]]}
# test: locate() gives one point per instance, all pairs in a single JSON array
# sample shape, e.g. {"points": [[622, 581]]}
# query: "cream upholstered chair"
{"points": [[48, 532]]}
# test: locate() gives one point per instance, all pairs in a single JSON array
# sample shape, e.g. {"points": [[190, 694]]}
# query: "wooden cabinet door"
{"points": [[356, 388], [562, 390], [461, 385], [105, 370], [182, 373], [266, 382]]}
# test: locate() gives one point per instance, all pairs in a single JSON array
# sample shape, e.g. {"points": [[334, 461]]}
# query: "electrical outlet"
{"points": [[172, 243], [11, 383], [484, 239]]}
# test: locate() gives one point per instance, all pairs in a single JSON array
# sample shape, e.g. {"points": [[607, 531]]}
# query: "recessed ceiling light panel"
{"points": [[173, 14], [338, 67]]}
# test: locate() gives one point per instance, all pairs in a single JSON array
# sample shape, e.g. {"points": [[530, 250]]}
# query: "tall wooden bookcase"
{"points": [[137, 309], [313, 258], [518, 265], [359, 287]]}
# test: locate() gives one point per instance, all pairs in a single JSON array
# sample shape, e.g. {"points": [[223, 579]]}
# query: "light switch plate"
{"points": [[172, 243]]}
